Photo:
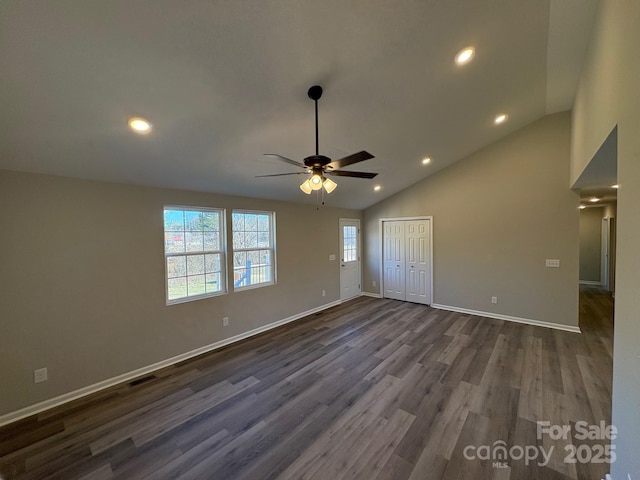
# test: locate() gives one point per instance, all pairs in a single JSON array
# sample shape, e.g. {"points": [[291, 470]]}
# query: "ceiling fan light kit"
{"points": [[319, 165]]}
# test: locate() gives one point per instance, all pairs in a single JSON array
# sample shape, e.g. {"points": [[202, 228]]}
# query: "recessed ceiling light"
{"points": [[582, 207], [377, 188], [615, 186], [465, 55], [139, 125], [500, 118], [426, 161], [594, 199]]}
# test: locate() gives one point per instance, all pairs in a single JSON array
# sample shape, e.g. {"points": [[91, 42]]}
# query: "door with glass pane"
{"points": [[349, 258]]}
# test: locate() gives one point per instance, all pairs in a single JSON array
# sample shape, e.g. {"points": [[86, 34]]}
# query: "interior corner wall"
{"points": [[497, 215], [82, 284], [608, 96], [591, 244]]}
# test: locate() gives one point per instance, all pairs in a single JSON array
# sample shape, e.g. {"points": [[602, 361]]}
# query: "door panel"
{"points": [[418, 288], [394, 263]]}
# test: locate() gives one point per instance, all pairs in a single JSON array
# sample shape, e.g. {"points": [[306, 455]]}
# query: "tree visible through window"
{"points": [[194, 254], [253, 248]]}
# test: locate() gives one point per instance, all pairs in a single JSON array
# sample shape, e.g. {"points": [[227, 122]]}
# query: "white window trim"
{"points": [[223, 253], [272, 248]]}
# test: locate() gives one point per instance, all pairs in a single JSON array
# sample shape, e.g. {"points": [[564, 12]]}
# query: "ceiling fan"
{"points": [[318, 165]]}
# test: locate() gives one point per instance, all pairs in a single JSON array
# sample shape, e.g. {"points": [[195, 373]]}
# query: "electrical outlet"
{"points": [[40, 375], [332, 256], [552, 263], [225, 321], [324, 293], [373, 284], [494, 299]]}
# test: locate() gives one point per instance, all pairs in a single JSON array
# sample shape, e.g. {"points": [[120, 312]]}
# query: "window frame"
{"points": [[272, 248], [222, 236]]}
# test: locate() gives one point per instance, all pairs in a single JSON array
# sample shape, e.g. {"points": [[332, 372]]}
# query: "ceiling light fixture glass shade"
{"points": [[306, 187], [329, 185], [315, 182], [594, 199]]}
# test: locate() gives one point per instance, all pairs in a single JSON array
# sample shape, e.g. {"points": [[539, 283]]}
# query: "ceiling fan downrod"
{"points": [[314, 94]]}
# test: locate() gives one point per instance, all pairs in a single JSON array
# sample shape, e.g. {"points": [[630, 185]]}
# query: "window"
{"points": [[349, 243], [253, 248], [194, 253]]}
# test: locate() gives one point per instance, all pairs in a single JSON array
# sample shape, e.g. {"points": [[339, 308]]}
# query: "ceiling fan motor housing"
{"points": [[317, 161]]}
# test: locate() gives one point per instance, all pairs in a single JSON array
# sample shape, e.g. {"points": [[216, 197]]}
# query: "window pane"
{"points": [[349, 247], [263, 223], [212, 241], [176, 267], [212, 263], [196, 285], [194, 241], [238, 221], [239, 259], [192, 220], [251, 240], [173, 220], [210, 221], [212, 283], [177, 288], [195, 264], [251, 222], [174, 242], [238, 239], [263, 239]]}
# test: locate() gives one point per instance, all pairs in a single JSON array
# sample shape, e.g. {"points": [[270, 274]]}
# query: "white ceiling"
{"points": [[225, 81]]}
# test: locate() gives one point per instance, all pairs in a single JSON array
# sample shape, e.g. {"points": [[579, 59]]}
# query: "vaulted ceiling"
{"points": [[224, 81]]}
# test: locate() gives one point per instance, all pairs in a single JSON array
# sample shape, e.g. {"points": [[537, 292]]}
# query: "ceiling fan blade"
{"points": [[346, 173], [354, 158], [285, 159], [281, 174]]}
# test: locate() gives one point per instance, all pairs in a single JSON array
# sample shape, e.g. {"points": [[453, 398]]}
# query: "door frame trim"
{"points": [[355, 220], [381, 250]]}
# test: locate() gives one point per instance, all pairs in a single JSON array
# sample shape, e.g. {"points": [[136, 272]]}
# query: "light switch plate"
{"points": [[332, 257], [552, 263]]}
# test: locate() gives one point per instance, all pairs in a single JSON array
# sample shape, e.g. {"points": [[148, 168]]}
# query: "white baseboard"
{"points": [[509, 318], [125, 377], [590, 282], [369, 294]]}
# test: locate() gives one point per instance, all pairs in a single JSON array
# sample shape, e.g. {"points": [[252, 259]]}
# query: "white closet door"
{"points": [[407, 260], [418, 264], [394, 260]]}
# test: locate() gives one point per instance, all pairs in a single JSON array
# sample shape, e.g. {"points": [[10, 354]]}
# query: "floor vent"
{"points": [[140, 380]]}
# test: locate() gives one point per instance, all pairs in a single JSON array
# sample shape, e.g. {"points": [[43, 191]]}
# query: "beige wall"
{"points": [[591, 244], [608, 96], [497, 215], [82, 281]]}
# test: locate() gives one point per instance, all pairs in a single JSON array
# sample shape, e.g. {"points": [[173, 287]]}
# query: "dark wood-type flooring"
{"points": [[370, 389]]}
